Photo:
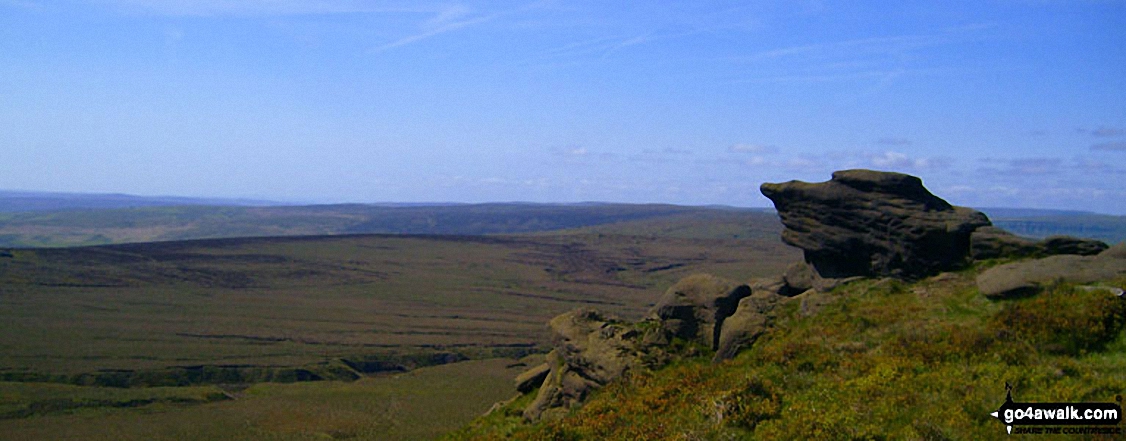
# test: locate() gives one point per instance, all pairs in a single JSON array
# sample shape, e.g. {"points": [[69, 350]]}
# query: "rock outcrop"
{"points": [[591, 349], [532, 378], [753, 317], [870, 223], [1029, 277], [1054, 245], [861, 223], [993, 242], [695, 307]]}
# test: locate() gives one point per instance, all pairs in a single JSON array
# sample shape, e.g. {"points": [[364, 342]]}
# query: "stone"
{"points": [[993, 242], [532, 378], [752, 318], [1030, 276], [695, 307], [799, 277], [870, 223], [591, 349], [1072, 245]]}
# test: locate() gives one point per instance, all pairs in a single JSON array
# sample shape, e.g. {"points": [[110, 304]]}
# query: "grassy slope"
{"points": [[421, 404], [880, 360]]}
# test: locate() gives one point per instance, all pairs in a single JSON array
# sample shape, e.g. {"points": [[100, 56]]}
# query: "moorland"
{"points": [[48, 220], [187, 339], [205, 322]]}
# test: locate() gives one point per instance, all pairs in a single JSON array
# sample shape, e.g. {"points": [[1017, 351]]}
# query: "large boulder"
{"points": [[591, 349], [1029, 277], [753, 317], [1072, 245], [695, 307], [871, 223]]}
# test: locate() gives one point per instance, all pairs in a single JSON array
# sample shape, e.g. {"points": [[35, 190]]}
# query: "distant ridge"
{"points": [[79, 227], [1004, 212], [1041, 223], [23, 201]]}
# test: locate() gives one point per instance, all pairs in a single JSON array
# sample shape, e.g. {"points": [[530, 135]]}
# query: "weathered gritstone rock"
{"points": [[591, 349], [695, 307], [992, 242], [532, 378], [1072, 245], [861, 223], [870, 223], [1029, 277], [753, 317]]}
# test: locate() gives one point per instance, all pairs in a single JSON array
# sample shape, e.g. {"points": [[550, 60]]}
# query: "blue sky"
{"points": [[1016, 103]]}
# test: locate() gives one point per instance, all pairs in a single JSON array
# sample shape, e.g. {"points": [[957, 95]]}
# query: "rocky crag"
{"points": [[859, 224]]}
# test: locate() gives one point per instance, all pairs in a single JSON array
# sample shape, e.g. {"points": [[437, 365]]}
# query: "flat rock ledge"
{"points": [[1028, 277]]}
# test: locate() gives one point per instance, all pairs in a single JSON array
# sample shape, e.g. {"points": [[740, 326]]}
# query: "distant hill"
{"points": [[165, 223], [21, 201], [54, 220], [1042, 223]]}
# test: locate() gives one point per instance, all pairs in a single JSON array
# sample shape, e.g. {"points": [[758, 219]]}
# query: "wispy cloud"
{"points": [[576, 152], [1088, 166], [1117, 146], [579, 155], [253, 7], [1036, 166], [449, 19], [853, 47], [1103, 132], [21, 4], [661, 156], [604, 47], [752, 148], [900, 161], [893, 141], [880, 60], [446, 20]]}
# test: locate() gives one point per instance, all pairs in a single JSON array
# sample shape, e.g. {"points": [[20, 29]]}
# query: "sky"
{"points": [[993, 103]]}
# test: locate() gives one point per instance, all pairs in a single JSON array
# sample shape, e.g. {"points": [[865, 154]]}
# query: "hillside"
{"points": [[907, 318], [220, 301], [23, 201], [875, 359], [174, 219], [171, 223], [1111, 229], [240, 337]]}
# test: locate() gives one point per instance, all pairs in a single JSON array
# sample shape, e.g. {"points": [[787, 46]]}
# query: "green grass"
{"points": [[421, 404], [882, 360]]}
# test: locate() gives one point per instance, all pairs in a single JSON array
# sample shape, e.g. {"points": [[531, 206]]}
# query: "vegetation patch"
{"points": [[882, 360]]}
